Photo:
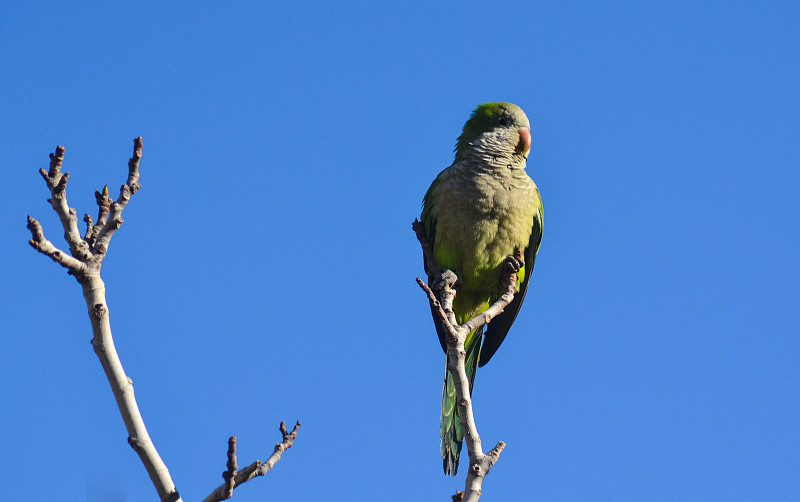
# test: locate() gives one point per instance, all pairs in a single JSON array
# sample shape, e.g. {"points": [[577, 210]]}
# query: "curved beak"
{"points": [[524, 145]]}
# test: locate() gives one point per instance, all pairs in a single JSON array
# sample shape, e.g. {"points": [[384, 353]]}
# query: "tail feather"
{"points": [[450, 426], [450, 423]]}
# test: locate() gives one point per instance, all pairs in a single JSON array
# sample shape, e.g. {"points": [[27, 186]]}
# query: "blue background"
{"points": [[265, 271]]}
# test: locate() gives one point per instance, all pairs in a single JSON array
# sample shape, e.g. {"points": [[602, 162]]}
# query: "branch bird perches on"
{"points": [[441, 297]]}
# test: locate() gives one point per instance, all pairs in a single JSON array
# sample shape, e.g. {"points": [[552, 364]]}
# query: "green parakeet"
{"points": [[476, 213]]}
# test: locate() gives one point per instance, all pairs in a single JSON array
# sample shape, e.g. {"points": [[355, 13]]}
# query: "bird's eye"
{"points": [[503, 122]]}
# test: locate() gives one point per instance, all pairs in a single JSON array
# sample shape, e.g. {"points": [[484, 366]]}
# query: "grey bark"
{"points": [[84, 262]]}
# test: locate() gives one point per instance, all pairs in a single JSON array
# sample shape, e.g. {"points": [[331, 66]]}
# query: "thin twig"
{"points": [[253, 470], [115, 216], [40, 243], [230, 473]]}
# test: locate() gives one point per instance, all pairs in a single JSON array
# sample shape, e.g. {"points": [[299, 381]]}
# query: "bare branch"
{"points": [[253, 470], [44, 246], [56, 160], [89, 227], [441, 297], [230, 473], [57, 184], [130, 187], [103, 207], [133, 165], [288, 440], [85, 265]]}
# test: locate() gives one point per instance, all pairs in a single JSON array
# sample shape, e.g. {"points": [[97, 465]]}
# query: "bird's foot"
{"points": [[445, 285], [513, 264], [447, 278]]}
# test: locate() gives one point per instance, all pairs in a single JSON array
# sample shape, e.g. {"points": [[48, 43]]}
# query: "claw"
{"points": [[513, 264]]}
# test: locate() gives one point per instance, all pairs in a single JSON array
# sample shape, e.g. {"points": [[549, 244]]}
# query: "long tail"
{"points": [[450, 423]]}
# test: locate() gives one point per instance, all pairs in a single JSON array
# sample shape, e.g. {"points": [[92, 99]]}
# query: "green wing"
{"points": [[497, 329], [430, 232]]}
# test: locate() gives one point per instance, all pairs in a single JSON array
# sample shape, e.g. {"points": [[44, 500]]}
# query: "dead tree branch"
{"points": [[84, 261], [234, 479], [441, 297]]}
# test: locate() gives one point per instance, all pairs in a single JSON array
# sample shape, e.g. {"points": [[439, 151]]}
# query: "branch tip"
{"points": [[499, 447], [56, 159], [133, 165], [230, 473]]}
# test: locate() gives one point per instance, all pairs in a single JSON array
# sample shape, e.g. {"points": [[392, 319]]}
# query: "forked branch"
{"points": [[441, 297], [84, 261], [233, 478]]}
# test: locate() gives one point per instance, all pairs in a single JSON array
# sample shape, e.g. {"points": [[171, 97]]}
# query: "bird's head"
{"points": [[499, 131]]}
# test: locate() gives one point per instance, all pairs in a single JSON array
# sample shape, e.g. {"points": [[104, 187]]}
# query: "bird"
{"points": [[476, 214]]}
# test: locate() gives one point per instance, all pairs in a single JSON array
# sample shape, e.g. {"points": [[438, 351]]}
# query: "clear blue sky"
{"points": [[265, 271]]}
